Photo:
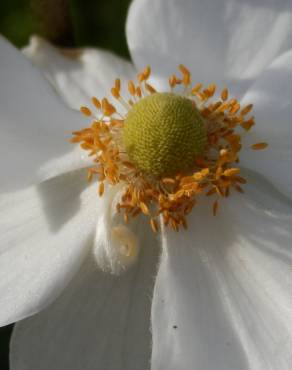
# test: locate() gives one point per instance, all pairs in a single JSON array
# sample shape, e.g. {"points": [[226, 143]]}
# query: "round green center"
{"points": [[163, 133]]}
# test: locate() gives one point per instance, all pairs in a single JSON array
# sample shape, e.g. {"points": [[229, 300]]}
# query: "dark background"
{"points": [[99, 23]]}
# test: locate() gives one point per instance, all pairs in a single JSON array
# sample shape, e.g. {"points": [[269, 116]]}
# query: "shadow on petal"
{"points": [[61, 197]]}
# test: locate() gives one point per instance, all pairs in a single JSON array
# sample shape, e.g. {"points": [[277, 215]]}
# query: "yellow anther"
{"points": [[139, 92], [235, 108], [101, 189], [211, 89], [96, 102], [248, 124], [150, 88], [196, 88], [154, 225], [86, 111], [144, 208], [186, 75], [118, 84], [143, 76], [107, 107], [259, 146], [246, 109], [147, 72], [224, 94], [231, 172], [131, 88], [172, 81]]}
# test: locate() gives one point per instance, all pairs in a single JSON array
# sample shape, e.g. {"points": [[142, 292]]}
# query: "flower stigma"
{"points": [[163, 133], [166, 148]]}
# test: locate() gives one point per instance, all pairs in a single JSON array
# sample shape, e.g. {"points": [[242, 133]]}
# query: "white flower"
{"points": [[222, 296]]}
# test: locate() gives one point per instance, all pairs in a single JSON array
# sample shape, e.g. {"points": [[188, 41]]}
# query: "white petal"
{"points": [[74, 160], [100, 322], [34, 125], [78, 74], [222, 298], [272, 99], [117, 245], [45, 233], [218, 40]]}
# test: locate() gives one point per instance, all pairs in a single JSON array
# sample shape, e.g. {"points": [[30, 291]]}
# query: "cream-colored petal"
{"points": [[78, 74], [74, 160], [34, 124], [45, 234], [101, 322], [272, 99], [222, 298], [218, 40]]}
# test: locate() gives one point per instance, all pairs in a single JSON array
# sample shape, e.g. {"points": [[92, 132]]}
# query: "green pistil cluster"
{"points": [[163, 133]]}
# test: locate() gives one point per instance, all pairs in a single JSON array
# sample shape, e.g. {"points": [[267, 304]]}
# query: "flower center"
{"points": [[163, 133], [169, 148]]}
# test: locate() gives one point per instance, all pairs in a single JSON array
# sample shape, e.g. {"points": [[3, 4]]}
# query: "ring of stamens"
{"points": [[214, 173]]}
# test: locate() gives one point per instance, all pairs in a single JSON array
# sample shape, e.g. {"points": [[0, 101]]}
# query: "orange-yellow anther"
{"points": [[150, 88], [246, 109], [173, 81], [231, 172], [147, 72], [235, 108], [96, 102], [107, 107], [131, 88], [186, 75], [139, 92], [144, 208], [248, 124], [144, 75], [259, 146], [86, 111], [154, 225], [101, 189], [224, 94], [118, 84], [116, 89], [196, 88], [115, 93], [211, 89]]}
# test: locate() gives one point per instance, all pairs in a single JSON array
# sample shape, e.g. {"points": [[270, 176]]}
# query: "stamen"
{"points": [[150, 88], [224, 94], [246, 110], [131, 88], [86, 111], [186, 75], [108, 109], [259, 146], [96, 103], [196, 88], [101, 189], [143, 76], [154, 225]]}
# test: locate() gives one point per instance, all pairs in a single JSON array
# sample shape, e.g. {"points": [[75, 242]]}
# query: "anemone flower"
{"points": [[183, 259]]}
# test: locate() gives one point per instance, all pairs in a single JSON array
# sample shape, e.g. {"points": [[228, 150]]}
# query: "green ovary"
{"points": [[163, 133]]}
